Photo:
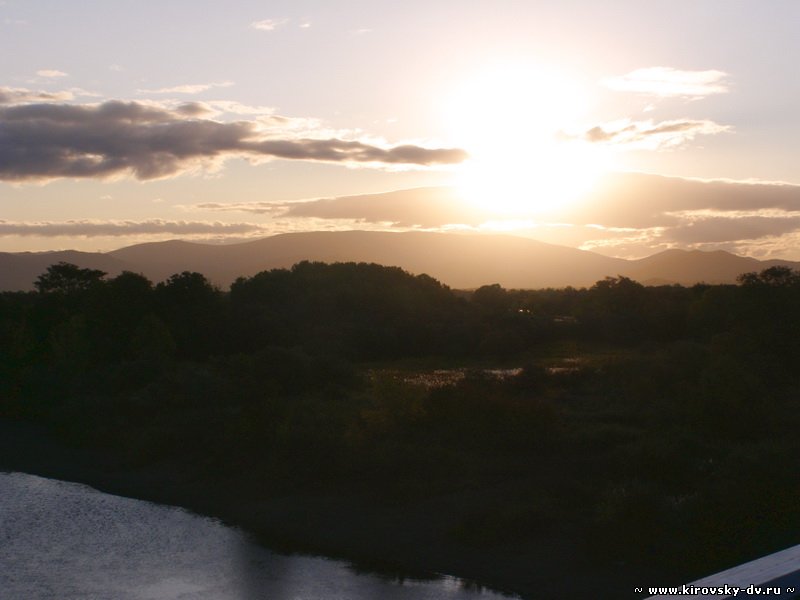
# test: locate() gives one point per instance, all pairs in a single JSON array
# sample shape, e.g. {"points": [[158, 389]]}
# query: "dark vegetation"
{"points": [[657, 424]]}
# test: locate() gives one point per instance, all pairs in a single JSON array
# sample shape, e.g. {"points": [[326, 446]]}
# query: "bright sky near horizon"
{"points": [[124, 121]]}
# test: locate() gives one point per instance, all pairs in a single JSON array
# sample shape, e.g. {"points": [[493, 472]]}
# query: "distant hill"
{"points": [[18, 270], [688, 267], [458, 260], [462, 261]]}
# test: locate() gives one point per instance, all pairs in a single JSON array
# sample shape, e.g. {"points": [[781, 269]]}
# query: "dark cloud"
{"points": [[94, 228], [45, 141], [192, 109], [335, 150]]}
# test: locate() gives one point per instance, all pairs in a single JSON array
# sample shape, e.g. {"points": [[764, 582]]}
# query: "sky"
{"points": [[626, 127]]}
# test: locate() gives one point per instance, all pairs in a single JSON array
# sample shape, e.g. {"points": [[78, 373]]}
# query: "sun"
{"points": [[518, 122]]}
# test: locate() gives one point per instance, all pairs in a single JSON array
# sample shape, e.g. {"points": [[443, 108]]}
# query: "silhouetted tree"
{"points": [[66, 278], [192, 309], [351, 309], [778, 276], [492, 298], [613, 308]]}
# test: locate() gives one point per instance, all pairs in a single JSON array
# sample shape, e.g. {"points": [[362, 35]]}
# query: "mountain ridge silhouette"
{"points": [[459, 260]]}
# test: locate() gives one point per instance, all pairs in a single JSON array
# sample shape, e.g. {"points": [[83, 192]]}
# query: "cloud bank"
{"points": [[41, 141], [625, 214], [96, 228], [426, 207], [628, 215], [637, 213]]}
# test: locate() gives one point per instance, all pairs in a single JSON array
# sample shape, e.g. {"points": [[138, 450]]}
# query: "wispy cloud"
{"points": [[258, 208], [24, 95], [268, 24], [650, 135], [96, 228], [189, 88], [114, 138], [51, 73], [668, 82], [231, 107]]}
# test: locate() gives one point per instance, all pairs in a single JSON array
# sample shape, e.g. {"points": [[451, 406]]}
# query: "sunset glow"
{"points": [[537, 119], [516, 121]]}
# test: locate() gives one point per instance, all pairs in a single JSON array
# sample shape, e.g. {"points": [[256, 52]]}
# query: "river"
{"points": [[66, 541]]}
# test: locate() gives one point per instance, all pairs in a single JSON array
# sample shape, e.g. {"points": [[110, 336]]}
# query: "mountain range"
{"points": [[463, 261]]}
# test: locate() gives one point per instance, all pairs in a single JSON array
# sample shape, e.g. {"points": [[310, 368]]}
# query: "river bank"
{"points": [[396, 537]]}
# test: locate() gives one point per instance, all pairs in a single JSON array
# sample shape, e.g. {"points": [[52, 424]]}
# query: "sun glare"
{"points": [[516, 123]]}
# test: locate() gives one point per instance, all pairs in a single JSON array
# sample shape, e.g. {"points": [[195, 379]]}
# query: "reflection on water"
{"points": [[437, 378], [64, 541]]}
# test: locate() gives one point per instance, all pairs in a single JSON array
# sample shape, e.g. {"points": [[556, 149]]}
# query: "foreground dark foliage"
{"points": [[658, 425]]}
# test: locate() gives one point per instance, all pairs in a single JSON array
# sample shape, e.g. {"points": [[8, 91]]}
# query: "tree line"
{"points": [[370, 312]]}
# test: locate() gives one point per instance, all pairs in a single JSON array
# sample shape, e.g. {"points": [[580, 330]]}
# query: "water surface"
{"points": [[65, 541]]}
